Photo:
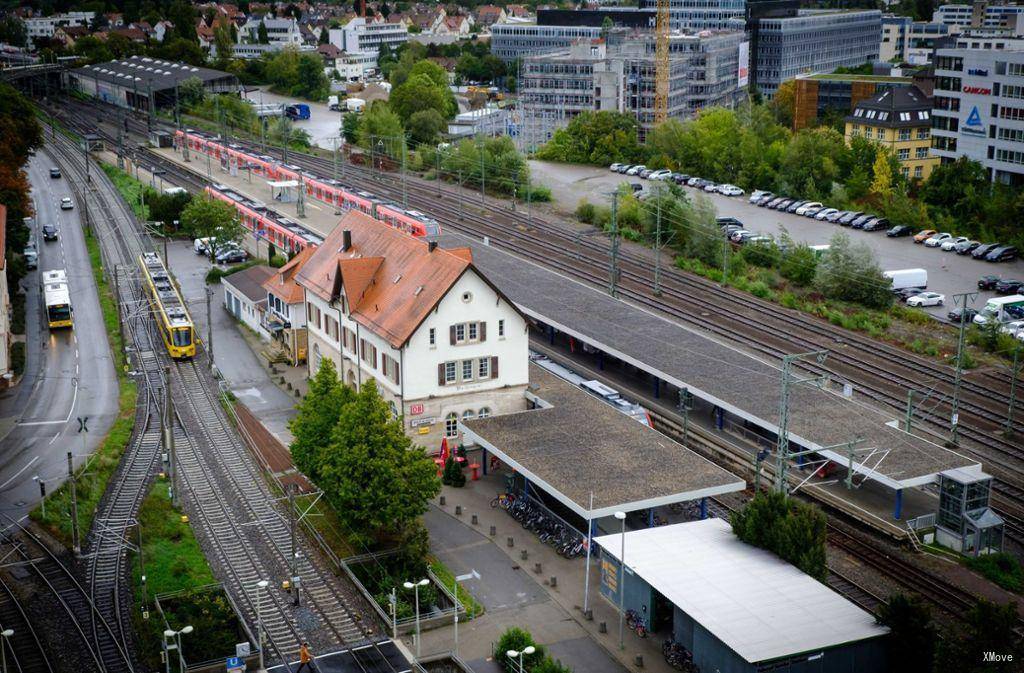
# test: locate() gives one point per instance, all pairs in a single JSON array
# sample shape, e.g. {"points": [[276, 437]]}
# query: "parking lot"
{"points": [[948, 273]]}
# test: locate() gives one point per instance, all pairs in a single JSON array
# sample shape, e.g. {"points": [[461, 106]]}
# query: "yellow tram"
{"points": [[172, 318]]}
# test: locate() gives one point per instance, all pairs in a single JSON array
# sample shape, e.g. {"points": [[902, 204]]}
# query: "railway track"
{"points": [[26, 652]]}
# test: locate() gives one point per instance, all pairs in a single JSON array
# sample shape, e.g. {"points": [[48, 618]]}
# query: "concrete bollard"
{"points": [[297, 393], [442, 501], [511, 542], [280, 379], [554, 581], [639, 660], [458, 510], [524, 554], [589, 615], [536, 568], [290, 386], [602, 627], [494, 531], [475, 520]]}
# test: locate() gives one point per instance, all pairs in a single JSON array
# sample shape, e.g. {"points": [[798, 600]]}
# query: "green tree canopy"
{"points": [[206, 217], [378, 121], [812, 162], [595, 138], [425, 125], [191, 92], [494, 161], [313, 425], [912, 638], [378, 482], [849, 272], [790, 528], [416, 94]]}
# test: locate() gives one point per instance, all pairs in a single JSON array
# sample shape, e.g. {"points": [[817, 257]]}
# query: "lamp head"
{"points": [[621, 516], [187, 630], [7, 633], [262, 584], [512, 654], [408, 585], [170, 633], [424, 582], [529, 649]]}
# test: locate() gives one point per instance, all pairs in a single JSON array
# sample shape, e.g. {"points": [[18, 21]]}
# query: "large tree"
{"points": [[317, 415], [378, 122], [595, 138], [209, 218], [850, 272], [416, 94], [378, 482], [912, 637]]}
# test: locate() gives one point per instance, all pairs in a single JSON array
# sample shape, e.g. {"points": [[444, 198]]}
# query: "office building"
{"points": [[703, 14], [817, 95], [907, 41], [813, 41], [364, 39], [978, 110], [618, 74], [979, 15], [953, 15], [43, 27], [557, 29], [900, 119]]}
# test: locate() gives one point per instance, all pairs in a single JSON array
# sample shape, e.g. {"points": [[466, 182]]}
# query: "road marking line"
{"points": [[54, 439], [43, 422], [18, 473]]}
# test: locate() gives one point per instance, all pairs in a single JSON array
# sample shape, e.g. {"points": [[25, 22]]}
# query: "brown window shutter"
{"points": [[398, 373], [494, 366], [374, 363], [440, 374], [451, 335], [483, 331]]}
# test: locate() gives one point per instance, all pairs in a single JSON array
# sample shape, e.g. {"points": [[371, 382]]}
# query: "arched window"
{"points": [[451, 425], [468, 415], [316, 357], [484, 412]]}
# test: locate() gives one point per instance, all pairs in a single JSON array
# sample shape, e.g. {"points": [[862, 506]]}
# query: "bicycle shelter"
{"points": [[590, 459]]}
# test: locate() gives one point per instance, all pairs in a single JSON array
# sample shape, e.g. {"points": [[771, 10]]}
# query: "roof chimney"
{"points": [[346, 239], [431, 246]]}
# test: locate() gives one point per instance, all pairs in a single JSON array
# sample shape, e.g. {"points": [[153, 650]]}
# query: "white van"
{"points": [[904, 278], [200, 245]]}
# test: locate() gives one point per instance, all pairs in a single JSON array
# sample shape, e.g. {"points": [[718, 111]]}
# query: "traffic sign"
{"points": [[235, 665]]}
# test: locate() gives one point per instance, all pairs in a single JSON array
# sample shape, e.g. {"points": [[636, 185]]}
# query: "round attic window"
{"points": [[467, 297]]}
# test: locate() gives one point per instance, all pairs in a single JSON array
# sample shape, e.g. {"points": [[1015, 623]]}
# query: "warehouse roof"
{"points": [[139, 71], [722, 374], [575, 445], [758, 605]]}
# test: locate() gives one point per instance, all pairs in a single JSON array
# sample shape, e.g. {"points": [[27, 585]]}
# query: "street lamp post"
{"points": [[6, 633], [514, 655], [416, 589], [176, 636], [260, 586], [621, 516]]}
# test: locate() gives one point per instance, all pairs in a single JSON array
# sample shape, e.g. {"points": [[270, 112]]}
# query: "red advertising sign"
{"points": [[415, 409], [978, 90]]}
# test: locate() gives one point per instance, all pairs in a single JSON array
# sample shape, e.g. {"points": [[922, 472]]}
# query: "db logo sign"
{"points": [[415, 409]]}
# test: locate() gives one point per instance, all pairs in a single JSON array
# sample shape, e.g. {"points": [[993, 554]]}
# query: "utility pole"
{"points": [[142, 569], [300, 202], [614, 271], [209, 324], [75, 544], [168, 429], [337, 210], [788, 381], [657, 249], [460, 194], [120, 141], [961, 300], [483, 170], [405, 188], [1014, 373], [294, 529], [725, 261], [685, 405]]}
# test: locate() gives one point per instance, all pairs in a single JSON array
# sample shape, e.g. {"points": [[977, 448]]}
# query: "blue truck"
{"points": [[297, 111]]}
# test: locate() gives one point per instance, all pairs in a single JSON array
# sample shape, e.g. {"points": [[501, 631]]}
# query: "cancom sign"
{"points": [[743, 67]]}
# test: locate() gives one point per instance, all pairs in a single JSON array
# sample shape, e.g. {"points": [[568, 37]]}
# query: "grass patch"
{"points": [[175, 564], [1002, 568], [216, 273], [131, 190], [92, 477], [473, 607]]}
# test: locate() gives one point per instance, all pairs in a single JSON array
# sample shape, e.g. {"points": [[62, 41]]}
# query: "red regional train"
{"points": [[265, 224], [321, 189]]}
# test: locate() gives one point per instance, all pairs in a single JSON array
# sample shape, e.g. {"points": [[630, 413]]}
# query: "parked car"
{"points": [[680, 178], [781, 205], [730, 190], [824, 213], [645, 173], [988, 282], [730, 229], [851, 215], [232, 256], [1005, 253], [924, 235], [950, 244], [740, 235], [694, 181], [771, 201], [906, 293], [936, 240], [983, 249], [966, 247], [927, 299], [635, 170], [624, 167], [802, 210], [726, 221], [762, 239], [968, 313], [49, 232], [836, 216], [710, 187], [1013, 328], [54, 172], [31, 255], [859, 222], [876, 224], [1008, 286], [615, 167], [812, 211], [758, 194], [66, 203], [791, 208], [899, 230]]}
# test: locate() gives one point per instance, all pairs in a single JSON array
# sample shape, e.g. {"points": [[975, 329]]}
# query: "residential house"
{"points": [[160, 30], [440, 340], [134, 34], [430, 21], [900, 119], [455, 25], [68, 35], [518, 12], [245, 298], [285, 317], [488, 15]]}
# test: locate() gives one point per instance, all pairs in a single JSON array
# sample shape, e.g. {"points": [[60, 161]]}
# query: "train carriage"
{"points": [[173, 320], [266, 224]]}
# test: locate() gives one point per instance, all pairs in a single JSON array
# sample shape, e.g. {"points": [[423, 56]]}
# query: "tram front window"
{"points": [[59, 312], [183, 336]]}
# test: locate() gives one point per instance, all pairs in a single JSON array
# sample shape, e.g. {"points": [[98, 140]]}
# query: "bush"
{"points": [[18, 358], [798, 265], [1002, 568], [216, 273], [277, 261], [850, 272], [538, 193], [517, 639], [453, 475], [793, 530], [765, 255], [585, 212]]}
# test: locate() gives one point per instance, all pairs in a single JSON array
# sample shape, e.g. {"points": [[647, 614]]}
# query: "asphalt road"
{"points": [[948, 273], [69, 373]]}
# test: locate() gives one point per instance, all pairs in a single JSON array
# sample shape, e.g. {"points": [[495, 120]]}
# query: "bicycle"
{"points": [[636, 623], [503, 500]]}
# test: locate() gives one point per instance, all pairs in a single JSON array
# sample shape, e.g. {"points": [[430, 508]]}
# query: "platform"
{"points": [[383, 656], [574, 446], [723, 375]]}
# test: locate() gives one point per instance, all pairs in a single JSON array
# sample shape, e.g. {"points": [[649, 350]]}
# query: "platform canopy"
{"points": [[574, 446], [758, 605]]}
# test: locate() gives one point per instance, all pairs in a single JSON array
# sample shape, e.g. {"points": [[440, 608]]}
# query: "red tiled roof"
{"points": [[283, 284], [391, 280]]}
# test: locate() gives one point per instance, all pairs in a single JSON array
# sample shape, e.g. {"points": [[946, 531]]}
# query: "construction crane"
{"points": [[661, 62]]}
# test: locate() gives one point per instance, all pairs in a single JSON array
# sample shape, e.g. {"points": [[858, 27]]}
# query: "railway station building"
{"points": [[736, 608]]}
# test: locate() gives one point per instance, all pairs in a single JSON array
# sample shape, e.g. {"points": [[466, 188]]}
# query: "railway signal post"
{"points": [[74, 507], [961, 300], [782, 455]]}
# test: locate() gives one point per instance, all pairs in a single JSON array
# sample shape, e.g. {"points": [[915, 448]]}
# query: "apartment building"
{"points": [[362, 39], [953, 15], [618, 73], [44, 26], [813, 41], [442, 343], [899, 119], [280, 32], [978, 110]]}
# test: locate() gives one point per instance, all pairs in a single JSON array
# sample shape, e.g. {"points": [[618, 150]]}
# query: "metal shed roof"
{"points": [[575, 445], [139, 71], [754, 602], [723, 374]]}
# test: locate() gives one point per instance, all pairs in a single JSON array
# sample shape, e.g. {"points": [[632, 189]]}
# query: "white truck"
{"points": [[1001, 309], [355, 104], [904, 278]]}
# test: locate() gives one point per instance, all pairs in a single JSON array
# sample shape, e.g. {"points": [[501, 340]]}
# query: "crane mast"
{"points": [[661, 62]]}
